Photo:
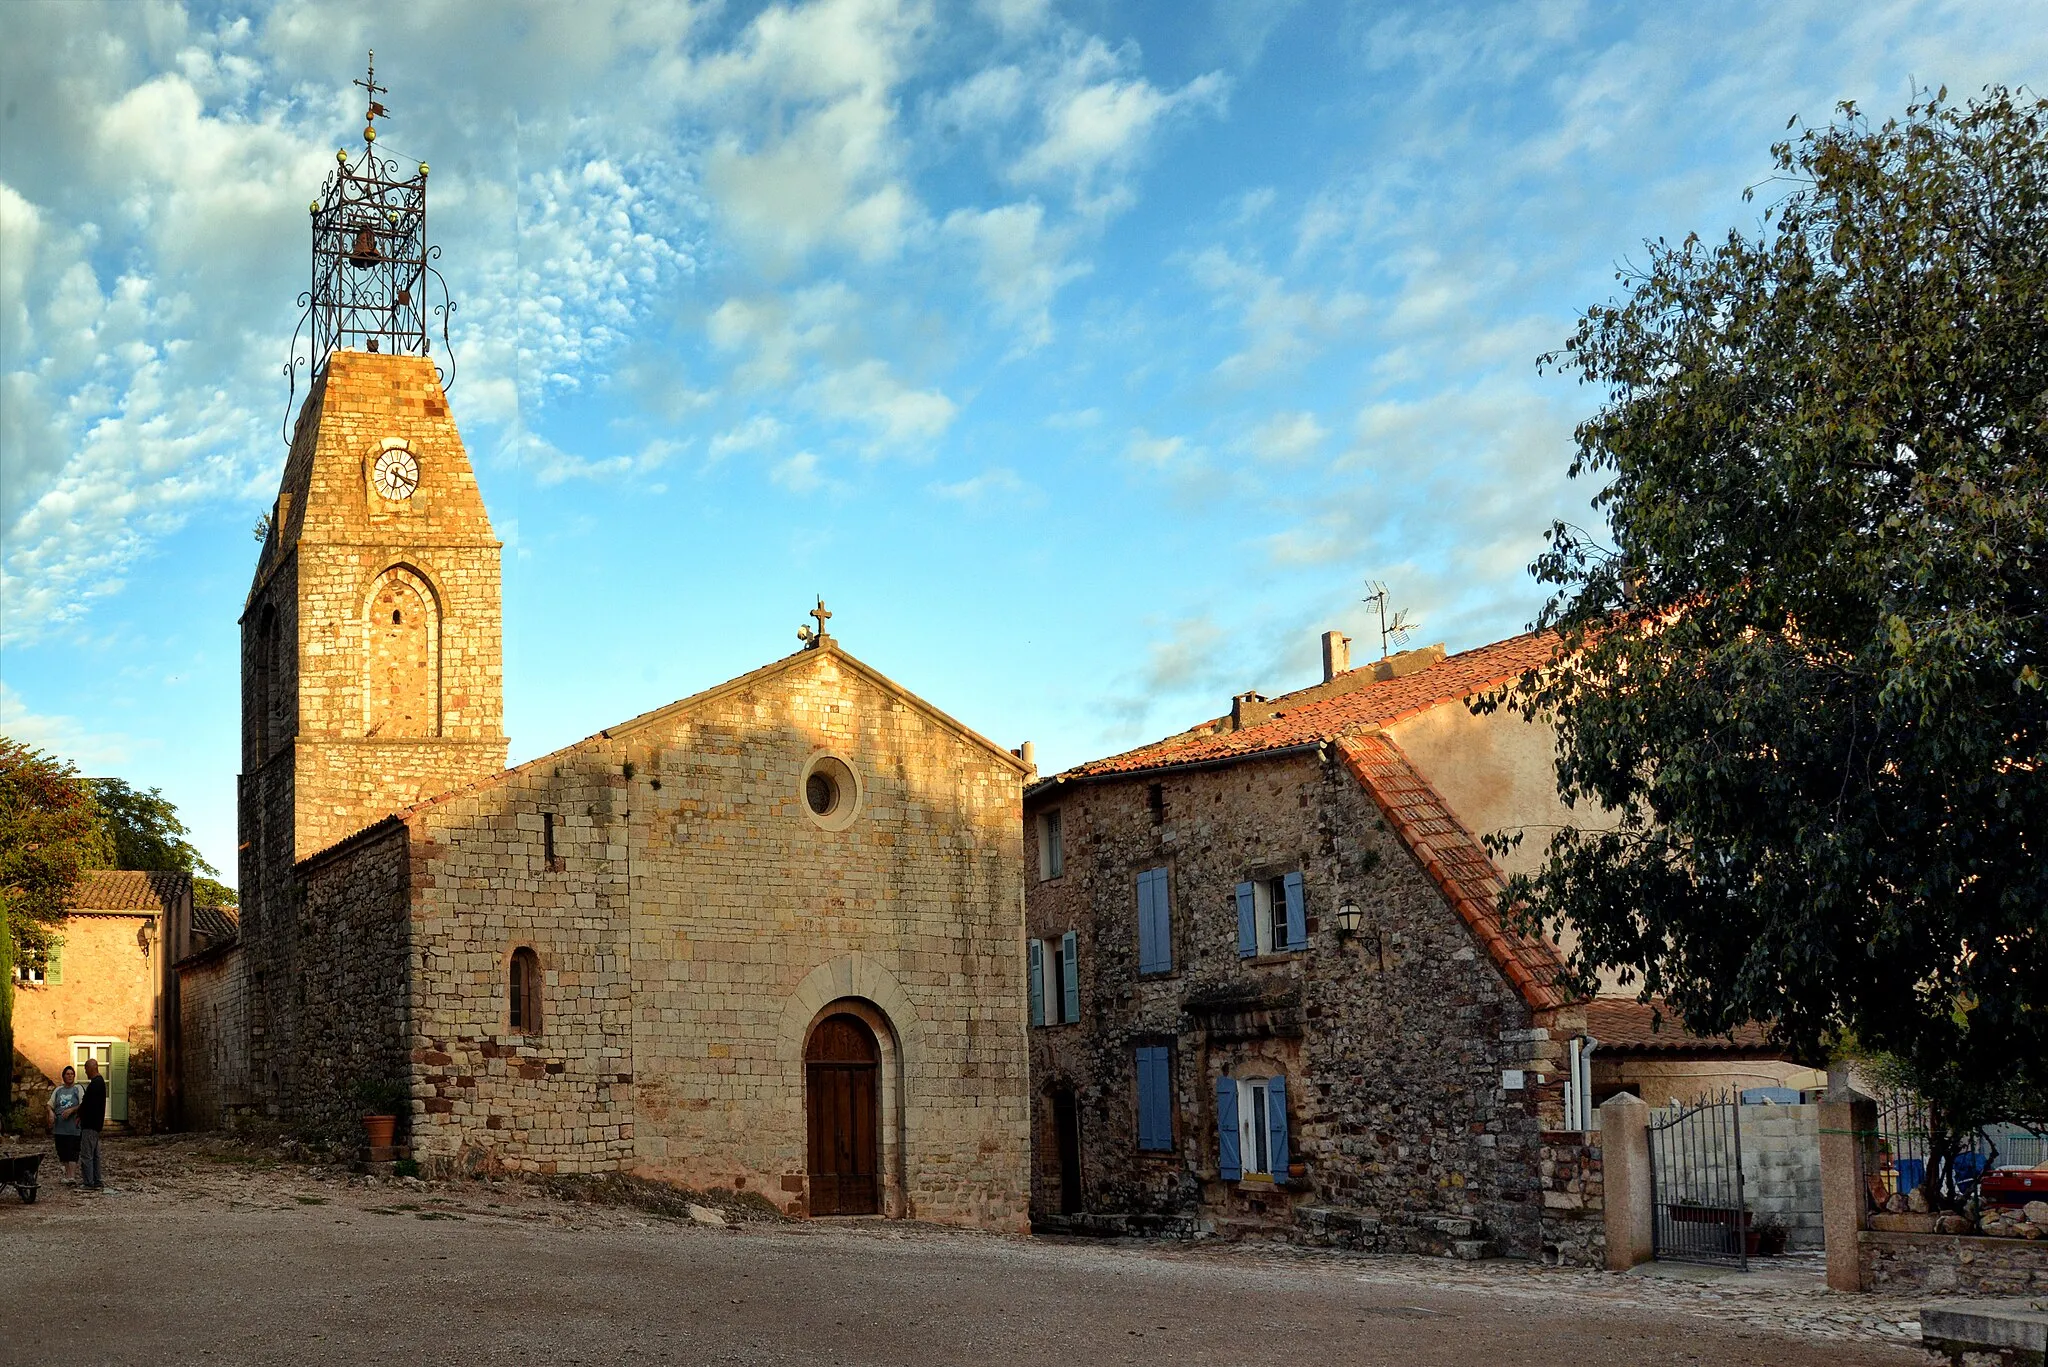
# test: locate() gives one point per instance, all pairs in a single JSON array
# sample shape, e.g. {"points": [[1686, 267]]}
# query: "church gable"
{"points": [[692, 888]]}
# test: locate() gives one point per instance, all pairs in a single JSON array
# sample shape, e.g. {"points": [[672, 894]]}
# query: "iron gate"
{"points": [[1698, 1211]]}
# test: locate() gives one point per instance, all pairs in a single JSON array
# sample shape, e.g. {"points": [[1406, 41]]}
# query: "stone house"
{"points": [[1272, 992], [767, 937], [100, 992]]}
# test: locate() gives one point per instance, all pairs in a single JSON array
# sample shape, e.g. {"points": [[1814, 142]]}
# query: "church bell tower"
{"points": [[372, 658]]}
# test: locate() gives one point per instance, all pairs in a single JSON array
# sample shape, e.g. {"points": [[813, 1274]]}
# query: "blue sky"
{"points": [[1087, 358]]}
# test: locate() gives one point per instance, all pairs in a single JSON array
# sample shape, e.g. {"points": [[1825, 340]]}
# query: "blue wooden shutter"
{"points": [[1297, 913], [1035, 953], [1155, 936], [1071, 971], [1247, 922], [1155, 1099], [1228, 1166], [1276, 1127]]}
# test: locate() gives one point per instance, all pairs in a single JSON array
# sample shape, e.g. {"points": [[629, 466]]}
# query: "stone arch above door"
{"points": [[850, 975]]}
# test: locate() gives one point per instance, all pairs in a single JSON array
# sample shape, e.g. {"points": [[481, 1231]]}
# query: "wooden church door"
{"points": [[842, 1087]]}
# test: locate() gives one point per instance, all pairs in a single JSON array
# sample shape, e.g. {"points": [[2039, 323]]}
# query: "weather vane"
{"points": [[1396, 631], [813, 637], [376, 111]]}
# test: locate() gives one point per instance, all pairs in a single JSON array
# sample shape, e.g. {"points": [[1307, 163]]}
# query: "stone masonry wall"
{"points": [[1940, 1264], [213, 1009], [1574, 1201], [696, 924], [352, 998], [1392, 1042]]}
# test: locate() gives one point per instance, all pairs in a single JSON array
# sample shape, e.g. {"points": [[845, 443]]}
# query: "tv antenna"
{"points": [[1396, 631]]}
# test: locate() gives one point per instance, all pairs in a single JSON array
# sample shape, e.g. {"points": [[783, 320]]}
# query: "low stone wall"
{"points": [[1905, 1264], [1574, 1229], [1781, 1170]]}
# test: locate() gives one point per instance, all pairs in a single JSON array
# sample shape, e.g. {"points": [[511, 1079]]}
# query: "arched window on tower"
{"points": [[523, 993], [402, 657]]}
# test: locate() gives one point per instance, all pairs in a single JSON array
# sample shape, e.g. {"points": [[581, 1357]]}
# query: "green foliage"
{"points": [[383, 1096], [143, 830], [1803, 689], [49, 829]]}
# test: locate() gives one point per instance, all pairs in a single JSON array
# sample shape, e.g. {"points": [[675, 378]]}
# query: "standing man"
{"points": [[92, 1117]]}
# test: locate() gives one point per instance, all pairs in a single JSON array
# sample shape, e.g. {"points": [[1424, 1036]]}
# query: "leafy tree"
{"points": [[1803, 688], [49, 829], [142, 831]]}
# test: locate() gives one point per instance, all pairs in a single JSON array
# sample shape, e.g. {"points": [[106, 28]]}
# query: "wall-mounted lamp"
{"points": [[1348, 917]]}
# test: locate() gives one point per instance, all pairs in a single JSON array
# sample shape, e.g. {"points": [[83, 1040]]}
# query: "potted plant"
{"points": [[1770, 1235], [382, 1101]]}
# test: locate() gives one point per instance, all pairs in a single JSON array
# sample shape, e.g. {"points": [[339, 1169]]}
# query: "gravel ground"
{"points": [[205, 1251]]}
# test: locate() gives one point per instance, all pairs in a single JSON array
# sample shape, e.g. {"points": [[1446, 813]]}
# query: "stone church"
{"points": [[768, 937]]}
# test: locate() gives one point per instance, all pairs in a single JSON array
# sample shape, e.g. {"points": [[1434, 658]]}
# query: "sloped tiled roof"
{"points": [[1625, 1026], [1378, 703], [129, 890], [216, 923], [1456, 861]]}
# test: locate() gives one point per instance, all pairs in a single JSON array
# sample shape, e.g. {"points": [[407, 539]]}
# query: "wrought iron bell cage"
{"points": [[375, 284]]}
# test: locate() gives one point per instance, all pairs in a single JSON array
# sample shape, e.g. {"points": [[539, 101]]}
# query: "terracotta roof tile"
{"points": [[1469, 880], [128, 890], [1376, 703], [1626, 1026], [216, 923]]}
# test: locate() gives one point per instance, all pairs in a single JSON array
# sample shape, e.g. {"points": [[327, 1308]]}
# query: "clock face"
{"points": [[396, 474]]}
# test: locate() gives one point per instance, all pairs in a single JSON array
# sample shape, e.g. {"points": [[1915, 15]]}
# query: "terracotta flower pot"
{"points": [[378, 1129]]}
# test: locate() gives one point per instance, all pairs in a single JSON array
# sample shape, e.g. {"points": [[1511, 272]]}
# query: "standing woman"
{"points": [[64, 1104]]}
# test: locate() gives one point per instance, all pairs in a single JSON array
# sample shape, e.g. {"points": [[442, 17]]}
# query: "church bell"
{"points": [[364, 254]]}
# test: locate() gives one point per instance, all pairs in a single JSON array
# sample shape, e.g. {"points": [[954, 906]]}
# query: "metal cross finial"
{"points": [[813, 637]]}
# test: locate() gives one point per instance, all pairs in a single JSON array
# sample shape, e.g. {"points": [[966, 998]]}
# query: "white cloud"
{"points": [[799, 473], [1282, 327], [1157, 453], [61, 736], [869, 393], [995, 484], [1022, 265], [1097, 121], [1285, 437], [757, 433]]}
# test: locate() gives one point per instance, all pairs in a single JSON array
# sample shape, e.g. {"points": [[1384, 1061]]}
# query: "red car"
{"points": [[2014, 1186]]}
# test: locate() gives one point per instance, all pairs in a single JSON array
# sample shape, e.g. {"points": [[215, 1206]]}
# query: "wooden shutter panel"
{"points": [[1228, 1165], [1162, 921], [1276, 1128], [1070, 970], [1297, 913], [53, 965], [1155, 1121], [1145, 948], [117, 1081], [1155, 940], [1035, 954], [1247, 922]]}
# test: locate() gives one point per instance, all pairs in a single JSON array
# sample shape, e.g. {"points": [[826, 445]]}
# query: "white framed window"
{"points": [[1052, 855], [1254, 1136], [112, 1057], [1054, 973], [1272, 915]]}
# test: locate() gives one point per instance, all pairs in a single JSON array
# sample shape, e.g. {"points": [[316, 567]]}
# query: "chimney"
{"points": [[1028, 753], [1336, 654]]}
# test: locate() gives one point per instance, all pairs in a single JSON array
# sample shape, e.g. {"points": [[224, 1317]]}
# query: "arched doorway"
{"points": [[842, 1093]]}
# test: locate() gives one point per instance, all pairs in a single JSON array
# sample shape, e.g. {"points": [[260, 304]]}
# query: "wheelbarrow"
{"points": [[19, 1172]]}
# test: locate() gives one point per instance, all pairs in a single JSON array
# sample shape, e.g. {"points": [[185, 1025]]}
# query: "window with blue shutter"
{"points": [[1247, 922], [1228, 1165], [1155, 1098], [1070, 977], [1297, 913], [1276, 1127], [1155, 923], [1035, 954]]}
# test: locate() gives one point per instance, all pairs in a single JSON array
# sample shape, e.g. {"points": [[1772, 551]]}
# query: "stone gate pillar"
{"points": [[1846, 1116], [1625, 1156]]}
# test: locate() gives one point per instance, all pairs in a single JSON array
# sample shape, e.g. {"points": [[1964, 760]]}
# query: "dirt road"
{"points": [[200, 1255]]}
